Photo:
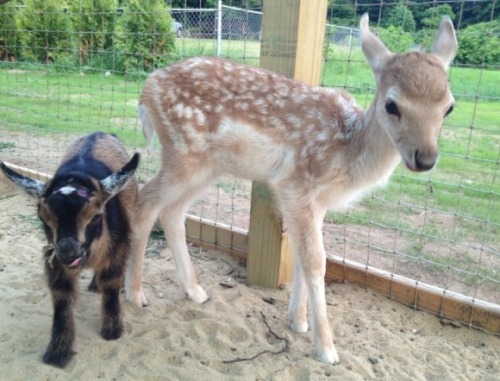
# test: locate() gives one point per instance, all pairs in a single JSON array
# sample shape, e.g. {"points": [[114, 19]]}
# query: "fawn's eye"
{"points": [[449, 111], [392, 108]]}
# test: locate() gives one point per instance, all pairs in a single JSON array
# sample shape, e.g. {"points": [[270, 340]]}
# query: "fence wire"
{"points": [[440, 227]]}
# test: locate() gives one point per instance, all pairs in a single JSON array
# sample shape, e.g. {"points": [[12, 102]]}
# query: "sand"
{"points": [[175, 339]]}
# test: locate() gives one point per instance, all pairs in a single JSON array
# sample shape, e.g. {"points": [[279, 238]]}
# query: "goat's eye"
{"points": [[392, 108], [449, 111], [96, 219]]}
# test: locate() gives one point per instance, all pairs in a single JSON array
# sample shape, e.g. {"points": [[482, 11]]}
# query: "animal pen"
{"points": [[427, 240]]}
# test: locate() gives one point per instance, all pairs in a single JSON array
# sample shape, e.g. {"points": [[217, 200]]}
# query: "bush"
{"points": [[479, 43], [396, 39], [432, 16], [400, 16], [9, 36], [143, 35], [93, 22], [46, 30]]}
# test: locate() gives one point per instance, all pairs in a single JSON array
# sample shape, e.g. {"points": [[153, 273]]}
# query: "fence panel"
{"points": [[439, 228]]}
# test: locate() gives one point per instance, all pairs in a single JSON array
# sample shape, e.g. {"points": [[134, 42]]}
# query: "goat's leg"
{"points": [[112, 324], [147, 213], [62, 286], [305, 232], [110, 280]]}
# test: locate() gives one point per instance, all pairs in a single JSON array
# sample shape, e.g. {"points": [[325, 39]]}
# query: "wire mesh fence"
{"points": [[440, 228]]}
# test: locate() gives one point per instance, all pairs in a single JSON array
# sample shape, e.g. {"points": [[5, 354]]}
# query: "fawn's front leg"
{"points": [[62, 284]]}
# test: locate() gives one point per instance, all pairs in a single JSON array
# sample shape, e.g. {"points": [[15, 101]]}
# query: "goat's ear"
{"points": [[112, 184], [373, 48], [445, 45], [32, 187]]}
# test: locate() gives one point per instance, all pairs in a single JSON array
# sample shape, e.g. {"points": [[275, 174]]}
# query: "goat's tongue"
{"points": [[75, 263]]}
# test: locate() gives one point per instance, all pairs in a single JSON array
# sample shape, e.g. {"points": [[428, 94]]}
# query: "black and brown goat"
{"points": [[86, 211]]}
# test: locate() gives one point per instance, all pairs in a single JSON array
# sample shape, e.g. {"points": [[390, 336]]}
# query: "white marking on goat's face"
{"points": [[66, 190]]}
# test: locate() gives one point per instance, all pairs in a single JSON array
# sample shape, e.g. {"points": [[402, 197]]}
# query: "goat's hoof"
{"points": [[111, 333], [328, 355], [197, 294], [58, 358]]}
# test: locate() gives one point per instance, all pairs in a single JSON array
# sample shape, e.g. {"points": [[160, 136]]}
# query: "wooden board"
{"points": [[444, 303]]}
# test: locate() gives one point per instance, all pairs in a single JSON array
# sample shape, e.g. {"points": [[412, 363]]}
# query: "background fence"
{"points": [[440, 228]]}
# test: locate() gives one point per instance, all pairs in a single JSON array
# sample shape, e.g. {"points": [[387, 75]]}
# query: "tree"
{"points": [[473, 12], [9, 34], [401, 16], [46, 27], [432, 16], [93, 23], [396, 39], [480, 43], [342, 12], [143, 35]]}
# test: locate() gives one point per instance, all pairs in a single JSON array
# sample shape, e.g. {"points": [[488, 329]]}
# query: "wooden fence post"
{"points": [[293, 34]]}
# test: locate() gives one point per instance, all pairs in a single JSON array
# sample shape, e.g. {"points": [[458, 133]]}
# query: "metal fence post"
{"points": [[219, 28]]}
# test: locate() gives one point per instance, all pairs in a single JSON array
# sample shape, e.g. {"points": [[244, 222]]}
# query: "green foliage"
{"points": [[9, 35], [343, 13], [396, 39], [402, 17], [432, 16], [93, 23], [255, 5], [480, 43], [6, 145], [473, 12], [144, 36], [46, 27]]}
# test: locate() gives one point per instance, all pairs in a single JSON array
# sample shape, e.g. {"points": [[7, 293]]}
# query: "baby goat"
{"points": [[85, 225], [314, 147]]}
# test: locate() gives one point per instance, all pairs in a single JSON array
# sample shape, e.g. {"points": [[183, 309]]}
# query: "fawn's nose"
{"points": [[425, 161]]}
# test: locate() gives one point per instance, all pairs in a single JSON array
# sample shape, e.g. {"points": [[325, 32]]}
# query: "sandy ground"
{"points": [[175, 339]]}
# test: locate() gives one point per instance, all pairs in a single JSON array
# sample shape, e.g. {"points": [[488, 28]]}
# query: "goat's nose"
{"points": [[424, 162], [67, 248]]}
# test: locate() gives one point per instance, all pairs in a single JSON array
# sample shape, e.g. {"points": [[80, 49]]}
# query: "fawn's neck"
{"points": [[374, 156]]}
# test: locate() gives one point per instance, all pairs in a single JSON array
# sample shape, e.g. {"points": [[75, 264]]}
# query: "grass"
{"points": [[6, 145], [241, 51], [42, 102]]}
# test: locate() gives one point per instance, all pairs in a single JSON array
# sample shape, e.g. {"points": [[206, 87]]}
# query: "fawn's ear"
{"points": [[445, 45], [373, 48]]}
